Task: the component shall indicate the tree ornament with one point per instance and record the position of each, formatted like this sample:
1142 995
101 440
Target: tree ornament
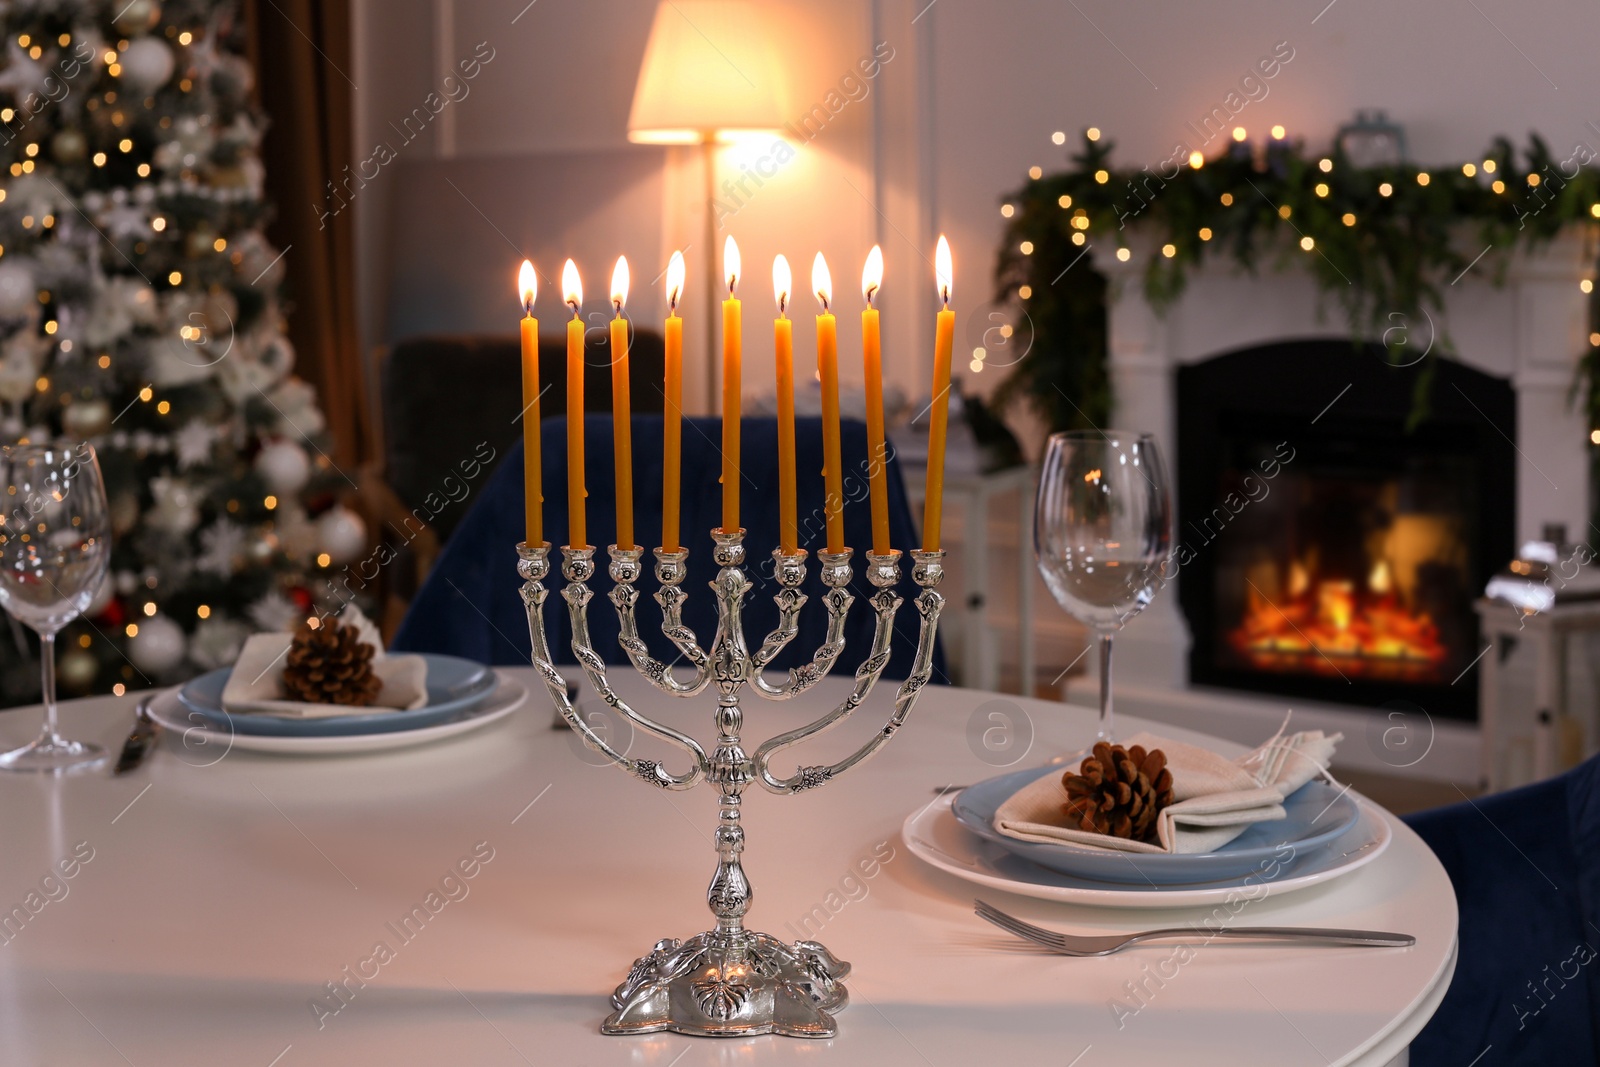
177 505
330 664
137 16
69 146
76 668
193 443
1119 792
216 642
147 64
284 467
18 294
222 549
159 646
342 534
86 418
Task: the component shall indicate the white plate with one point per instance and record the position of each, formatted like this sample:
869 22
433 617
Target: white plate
934 836
186 725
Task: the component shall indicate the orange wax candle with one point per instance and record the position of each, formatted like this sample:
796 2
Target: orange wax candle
572 286
672 416
732 365
783 345
872 369
939 416
621 409
533 490
828 367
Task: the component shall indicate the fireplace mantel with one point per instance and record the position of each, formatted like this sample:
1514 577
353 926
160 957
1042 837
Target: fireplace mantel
1529 328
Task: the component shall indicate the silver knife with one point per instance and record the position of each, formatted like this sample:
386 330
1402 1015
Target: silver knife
142 741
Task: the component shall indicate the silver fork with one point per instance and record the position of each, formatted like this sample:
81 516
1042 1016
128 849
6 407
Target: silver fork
1106 944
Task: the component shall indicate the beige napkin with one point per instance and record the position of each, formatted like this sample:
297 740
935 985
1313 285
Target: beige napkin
255 687
1215 799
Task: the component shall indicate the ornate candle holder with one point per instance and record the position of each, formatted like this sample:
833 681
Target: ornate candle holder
730 981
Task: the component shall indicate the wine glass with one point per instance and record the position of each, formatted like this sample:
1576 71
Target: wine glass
55 546
1103 532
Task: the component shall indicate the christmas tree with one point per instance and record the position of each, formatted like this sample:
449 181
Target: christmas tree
139 310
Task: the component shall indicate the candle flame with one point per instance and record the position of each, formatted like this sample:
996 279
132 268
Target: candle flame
872 274
571 286
943 272
782 282
821 281
730 263
527 286
676 271
619 284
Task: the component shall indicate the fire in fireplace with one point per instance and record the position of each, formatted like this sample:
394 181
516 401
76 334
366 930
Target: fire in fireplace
1335 553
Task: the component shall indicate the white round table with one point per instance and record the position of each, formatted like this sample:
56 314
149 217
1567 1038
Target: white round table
276 912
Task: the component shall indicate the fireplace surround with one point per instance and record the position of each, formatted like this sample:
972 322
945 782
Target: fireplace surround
1512 325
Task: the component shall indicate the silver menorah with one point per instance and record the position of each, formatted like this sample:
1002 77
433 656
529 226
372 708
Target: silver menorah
730 981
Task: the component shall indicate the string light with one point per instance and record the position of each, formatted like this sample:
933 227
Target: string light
270 503
1006 211
1307 243
132 629
1385 189
1239 133
1349 219
1035 173
204 611
1078 238
1422 178
1285 211
149 608
1594 437
1124 255
1322 188
1026 248
146 393
1205 233
1468 169
1278 133
1586 285
1196 160
1093 133
1064 200
1024 291
1488 166
1594 209
164 407
1169 250
176 277
1533 179
1058 137
1102 176
323 559
1227 199
1498 186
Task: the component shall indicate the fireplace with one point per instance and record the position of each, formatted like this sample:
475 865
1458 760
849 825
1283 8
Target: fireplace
1329 551
1510 323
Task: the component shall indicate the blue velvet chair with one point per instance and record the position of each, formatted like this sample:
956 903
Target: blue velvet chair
470 605
1526 870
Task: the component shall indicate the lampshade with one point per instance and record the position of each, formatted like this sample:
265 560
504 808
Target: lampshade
709 72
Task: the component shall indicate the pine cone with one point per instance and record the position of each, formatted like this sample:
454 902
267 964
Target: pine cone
330 665
1119 791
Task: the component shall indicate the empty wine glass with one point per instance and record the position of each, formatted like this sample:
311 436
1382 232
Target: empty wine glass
55 546
1103 532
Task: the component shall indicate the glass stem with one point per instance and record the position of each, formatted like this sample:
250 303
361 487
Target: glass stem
1104 733
47 682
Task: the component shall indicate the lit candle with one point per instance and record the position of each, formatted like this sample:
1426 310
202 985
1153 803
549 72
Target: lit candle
872 367
732 362
828 367
572 290
672 419
533 491
783 344
621 410
939 416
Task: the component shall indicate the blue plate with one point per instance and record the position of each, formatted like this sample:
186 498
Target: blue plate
455 685
1316 813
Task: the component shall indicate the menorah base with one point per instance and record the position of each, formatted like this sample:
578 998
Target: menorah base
731 985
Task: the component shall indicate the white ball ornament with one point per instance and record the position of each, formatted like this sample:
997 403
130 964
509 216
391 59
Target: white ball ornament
284 466
17 291
147 64
342 534
159 646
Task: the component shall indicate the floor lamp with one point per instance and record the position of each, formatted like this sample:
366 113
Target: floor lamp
709 77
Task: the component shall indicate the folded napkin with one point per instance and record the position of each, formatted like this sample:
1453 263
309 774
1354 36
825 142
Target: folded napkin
1215 799
255 686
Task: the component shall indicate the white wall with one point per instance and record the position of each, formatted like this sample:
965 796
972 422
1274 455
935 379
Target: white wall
968 103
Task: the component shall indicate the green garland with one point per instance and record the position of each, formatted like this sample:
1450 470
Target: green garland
1381 240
